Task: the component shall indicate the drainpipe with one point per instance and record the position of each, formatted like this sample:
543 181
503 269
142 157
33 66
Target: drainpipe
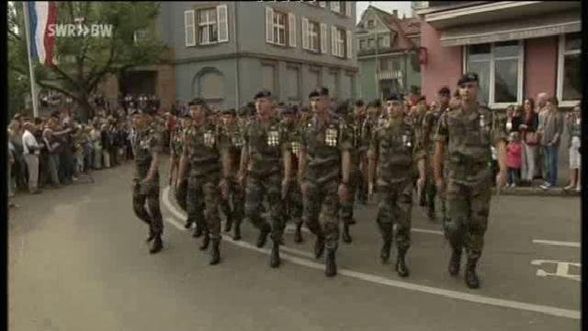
237 55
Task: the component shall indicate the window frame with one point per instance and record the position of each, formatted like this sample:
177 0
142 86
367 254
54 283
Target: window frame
491 90
277 27
340 42
317 35
207 24
561 53
140 35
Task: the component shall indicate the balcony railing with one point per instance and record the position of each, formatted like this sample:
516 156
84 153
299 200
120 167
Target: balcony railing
389 74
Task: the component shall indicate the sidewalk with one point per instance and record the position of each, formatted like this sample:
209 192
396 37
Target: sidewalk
536 190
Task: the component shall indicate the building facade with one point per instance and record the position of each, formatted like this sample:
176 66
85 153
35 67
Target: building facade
226 51
388 54
518 49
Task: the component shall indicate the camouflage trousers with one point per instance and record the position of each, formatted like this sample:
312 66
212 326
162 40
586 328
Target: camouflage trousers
320 210
355 186
181 194
395 207
257 189
203 200
147 195
468 208
431 193
293 205
233 207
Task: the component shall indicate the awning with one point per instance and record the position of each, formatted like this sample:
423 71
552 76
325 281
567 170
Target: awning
524 28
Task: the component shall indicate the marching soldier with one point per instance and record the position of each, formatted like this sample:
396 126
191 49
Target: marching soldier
147 146
324 171
393 146
232 141
293 201
264 156
176 149
417 114
468 132
429 125
203 153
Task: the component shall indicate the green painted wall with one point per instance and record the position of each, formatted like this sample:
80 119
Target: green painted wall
367 79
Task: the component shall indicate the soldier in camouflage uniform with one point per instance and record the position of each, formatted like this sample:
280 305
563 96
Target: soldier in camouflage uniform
264 156
416 116
393 146
147 147
203 153
430 122
293 199
324 172
176 149
232 142
468 133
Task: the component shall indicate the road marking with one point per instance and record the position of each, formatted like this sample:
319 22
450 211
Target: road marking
476 298
557 243
562 269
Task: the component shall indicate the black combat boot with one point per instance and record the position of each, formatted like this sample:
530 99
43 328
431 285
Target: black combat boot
237 231
157 244
205 241
298 234
330 265
471 278
215 253
401 268
346 235
188 223
275 255
385 251
454 262
263 235
319 246
198 231
151 235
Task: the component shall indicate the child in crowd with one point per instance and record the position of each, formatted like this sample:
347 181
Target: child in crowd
513 158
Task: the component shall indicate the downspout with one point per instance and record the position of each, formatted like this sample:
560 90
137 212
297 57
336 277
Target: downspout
237 55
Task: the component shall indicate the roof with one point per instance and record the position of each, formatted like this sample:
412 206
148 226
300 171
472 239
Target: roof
404 27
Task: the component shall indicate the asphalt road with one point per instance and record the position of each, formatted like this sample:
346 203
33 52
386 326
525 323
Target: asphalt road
78 261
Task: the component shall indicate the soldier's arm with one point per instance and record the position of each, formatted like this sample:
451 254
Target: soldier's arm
183 162
441 139
287 160
301 163
372 155
345 166
226 162
244 160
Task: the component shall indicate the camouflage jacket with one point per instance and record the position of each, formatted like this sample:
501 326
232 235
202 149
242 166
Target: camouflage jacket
203 150
430 121
231 141
323 145
265 145
393 143
144 144
177 142
469 137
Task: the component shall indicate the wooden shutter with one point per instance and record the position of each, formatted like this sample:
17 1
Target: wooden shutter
305 33
222 22
349 44
323 38
348 5
269 25
334 44
189 28
292 29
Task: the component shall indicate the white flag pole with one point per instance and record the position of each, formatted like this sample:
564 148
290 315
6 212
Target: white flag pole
31 72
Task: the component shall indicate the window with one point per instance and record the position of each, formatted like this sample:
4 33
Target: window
322 4
140 35
279 25
362 44
338 40
190 39
500 70
569 86
313 36
371 43
207 27
336 6
384 41
370 24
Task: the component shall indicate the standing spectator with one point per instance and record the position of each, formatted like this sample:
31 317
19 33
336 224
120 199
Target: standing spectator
15 132
542 111
550 138
11 159
514 149
105 145
53 150
530 139
96 139
31 155
574 124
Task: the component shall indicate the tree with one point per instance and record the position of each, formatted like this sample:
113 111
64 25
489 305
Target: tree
84 61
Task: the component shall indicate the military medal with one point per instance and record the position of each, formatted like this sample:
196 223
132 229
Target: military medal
508 125
331 137
208 139
273 138
237 140
295 147
482 121
577 121
406 139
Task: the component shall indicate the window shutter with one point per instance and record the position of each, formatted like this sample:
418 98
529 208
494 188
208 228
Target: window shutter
348 5
223 25
292 29
334 44
305 33
349 45
269 25
322 4
324 39
189 28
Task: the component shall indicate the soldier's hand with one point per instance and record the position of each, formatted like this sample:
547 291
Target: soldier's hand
370 191
501 179
420 183
285 188
343 192
224 188
241 177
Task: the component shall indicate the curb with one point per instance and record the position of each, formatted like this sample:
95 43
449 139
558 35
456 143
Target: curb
537 191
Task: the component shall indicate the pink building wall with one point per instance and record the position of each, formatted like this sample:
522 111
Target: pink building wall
444 64
540 66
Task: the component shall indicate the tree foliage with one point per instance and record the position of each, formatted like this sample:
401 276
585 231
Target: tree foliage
84 61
